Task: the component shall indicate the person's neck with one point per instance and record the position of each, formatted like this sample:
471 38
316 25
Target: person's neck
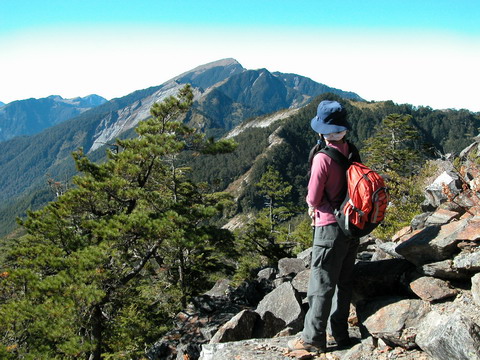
333 142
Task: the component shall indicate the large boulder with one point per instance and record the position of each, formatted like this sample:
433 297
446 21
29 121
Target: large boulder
240 327
290 266
278 310
449 336
394 321
434 243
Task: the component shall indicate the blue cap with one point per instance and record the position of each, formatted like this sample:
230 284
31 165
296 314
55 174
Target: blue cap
331 118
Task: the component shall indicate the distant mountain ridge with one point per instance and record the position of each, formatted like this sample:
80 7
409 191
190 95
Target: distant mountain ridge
31 116
226 95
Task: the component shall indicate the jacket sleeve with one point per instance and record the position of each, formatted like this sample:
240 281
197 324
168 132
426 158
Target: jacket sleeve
318 178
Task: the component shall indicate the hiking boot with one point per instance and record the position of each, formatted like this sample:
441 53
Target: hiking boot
299 344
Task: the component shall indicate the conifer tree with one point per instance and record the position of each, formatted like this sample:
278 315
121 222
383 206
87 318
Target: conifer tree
103 267
394 152
264 240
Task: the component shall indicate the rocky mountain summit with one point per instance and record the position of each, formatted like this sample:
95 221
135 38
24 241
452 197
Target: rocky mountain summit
415 297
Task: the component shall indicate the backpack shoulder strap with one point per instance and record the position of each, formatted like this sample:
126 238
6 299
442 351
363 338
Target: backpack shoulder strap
337 156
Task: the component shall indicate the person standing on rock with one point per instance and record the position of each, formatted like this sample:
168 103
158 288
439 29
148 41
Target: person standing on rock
333 255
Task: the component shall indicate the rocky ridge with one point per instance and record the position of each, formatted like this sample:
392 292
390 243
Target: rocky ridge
415 297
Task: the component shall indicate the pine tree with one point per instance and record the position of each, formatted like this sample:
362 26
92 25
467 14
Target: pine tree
264 240
97 273
394 151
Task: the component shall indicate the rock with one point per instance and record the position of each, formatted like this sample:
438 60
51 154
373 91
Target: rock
300 281
441 217
288 266
434 243
394 322
306 256
468 261
280 309
267 274
240 327
254 349
451 336
389 248
380 278
476 288
220 288
434 193
471 232
444 270
418 222
431 289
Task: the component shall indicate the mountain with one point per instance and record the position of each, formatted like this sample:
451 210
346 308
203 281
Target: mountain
226 94
247 104
30 116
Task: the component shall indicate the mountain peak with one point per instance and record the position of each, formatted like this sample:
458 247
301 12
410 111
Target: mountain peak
206 75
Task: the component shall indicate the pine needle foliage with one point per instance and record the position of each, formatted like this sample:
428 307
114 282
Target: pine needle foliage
104 267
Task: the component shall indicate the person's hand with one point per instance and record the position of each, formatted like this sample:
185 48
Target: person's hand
311 213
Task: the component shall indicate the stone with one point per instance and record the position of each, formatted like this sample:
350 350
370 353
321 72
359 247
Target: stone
468 261
300 281
431 289
434 192
434 243
444 270
389 248
306 256
451 336
394 321
220 288
280 309
441 217
287 266
476 288
267 274
471 232
240 327
418 222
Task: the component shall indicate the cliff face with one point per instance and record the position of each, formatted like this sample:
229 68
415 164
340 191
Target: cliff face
415 297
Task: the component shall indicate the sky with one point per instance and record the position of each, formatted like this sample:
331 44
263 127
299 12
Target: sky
420 52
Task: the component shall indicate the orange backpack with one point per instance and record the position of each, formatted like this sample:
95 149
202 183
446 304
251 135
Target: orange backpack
366 200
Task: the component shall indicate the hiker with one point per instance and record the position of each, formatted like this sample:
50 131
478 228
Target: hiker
334 253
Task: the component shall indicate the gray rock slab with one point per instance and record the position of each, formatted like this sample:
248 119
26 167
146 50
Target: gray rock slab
395 322
476 288
432 244
441 217
240 327
267 274
468 261
280 309
220 288
300 281
444 270
289 266
452 336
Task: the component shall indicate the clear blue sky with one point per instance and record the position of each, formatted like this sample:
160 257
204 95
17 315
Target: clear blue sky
419 52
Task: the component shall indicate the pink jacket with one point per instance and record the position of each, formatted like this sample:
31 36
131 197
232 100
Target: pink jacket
326 186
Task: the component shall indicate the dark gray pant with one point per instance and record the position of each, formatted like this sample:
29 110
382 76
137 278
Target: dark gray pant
333 258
